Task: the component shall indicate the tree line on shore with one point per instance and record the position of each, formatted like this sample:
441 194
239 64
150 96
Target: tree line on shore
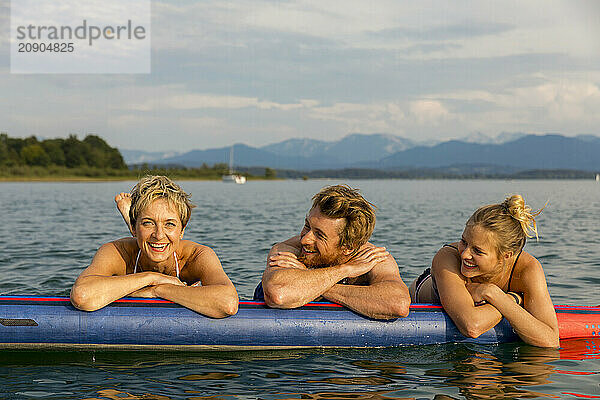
92 157
71 152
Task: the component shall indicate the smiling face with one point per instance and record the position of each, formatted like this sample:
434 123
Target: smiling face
158 231
320 240
478 254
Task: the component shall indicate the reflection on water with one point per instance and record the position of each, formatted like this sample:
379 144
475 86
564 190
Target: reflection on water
580 349
461 371
489 376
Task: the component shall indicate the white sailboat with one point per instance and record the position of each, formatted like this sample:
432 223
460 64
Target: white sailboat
231 177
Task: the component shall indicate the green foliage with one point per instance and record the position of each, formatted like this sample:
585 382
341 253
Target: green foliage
54 149
221 168
34 154
3 147
179 172
270 173
93 151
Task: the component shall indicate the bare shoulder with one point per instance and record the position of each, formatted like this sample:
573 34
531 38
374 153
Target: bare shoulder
292 242
127 247
385 270
201 264
192 252
113 258
447 259
291 245
526 261
528 274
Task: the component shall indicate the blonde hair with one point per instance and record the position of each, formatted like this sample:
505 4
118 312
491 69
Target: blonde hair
512 221
151 188
341 201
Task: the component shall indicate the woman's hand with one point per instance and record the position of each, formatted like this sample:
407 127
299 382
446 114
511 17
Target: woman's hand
158 279
162 279
481 292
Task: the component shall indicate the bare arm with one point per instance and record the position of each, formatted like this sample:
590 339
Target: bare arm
535 322
385 297
471 320
105 280
123 202
216 297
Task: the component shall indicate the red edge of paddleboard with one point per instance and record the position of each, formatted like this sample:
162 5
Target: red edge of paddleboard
161 301
418 306
560 309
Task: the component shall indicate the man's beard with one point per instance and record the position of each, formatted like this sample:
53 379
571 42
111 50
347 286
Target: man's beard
321 261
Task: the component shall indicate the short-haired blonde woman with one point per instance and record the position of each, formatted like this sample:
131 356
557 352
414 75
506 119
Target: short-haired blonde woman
487 275
156 262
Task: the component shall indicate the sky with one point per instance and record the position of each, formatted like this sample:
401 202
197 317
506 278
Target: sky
259 72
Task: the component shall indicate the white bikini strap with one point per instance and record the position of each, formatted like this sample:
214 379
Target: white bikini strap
138 259
176 264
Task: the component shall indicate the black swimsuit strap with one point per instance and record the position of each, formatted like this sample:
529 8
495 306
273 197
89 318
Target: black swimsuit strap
449 245
513 269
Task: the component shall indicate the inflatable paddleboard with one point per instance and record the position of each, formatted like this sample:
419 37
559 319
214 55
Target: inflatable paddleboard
35 322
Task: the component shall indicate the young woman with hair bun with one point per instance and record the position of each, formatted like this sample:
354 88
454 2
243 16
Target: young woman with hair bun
487 276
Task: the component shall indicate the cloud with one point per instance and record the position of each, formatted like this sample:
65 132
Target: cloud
556 103
196 101
393 117
431 112
560 98
4 27
461 30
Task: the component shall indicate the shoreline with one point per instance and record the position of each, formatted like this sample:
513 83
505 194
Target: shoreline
113 179
123 179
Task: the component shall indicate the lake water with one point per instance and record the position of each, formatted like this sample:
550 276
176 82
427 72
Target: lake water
50 232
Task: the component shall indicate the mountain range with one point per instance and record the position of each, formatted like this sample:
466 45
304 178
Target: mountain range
389 152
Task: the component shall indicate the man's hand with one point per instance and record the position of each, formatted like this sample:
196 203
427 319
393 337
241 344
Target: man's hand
364 261
285 259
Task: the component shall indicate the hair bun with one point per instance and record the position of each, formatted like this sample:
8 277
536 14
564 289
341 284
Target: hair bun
516 207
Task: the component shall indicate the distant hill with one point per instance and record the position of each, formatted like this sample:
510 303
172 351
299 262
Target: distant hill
298 147
508 152
140 157
248 157
528 152
481 138
349 150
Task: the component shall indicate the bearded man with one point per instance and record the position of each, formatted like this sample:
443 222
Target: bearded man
332 259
